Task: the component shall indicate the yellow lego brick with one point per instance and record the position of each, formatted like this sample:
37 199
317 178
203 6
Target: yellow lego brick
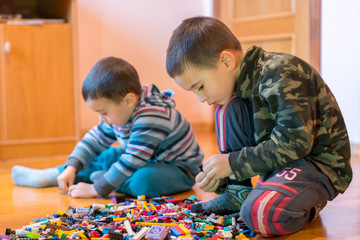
154 223
203 232
152 206
141 197
82 236
241 236
69 233
146 207
208 227
186 231
119 219
61 213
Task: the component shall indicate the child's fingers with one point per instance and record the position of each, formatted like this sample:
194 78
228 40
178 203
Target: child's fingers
72 190
206 167
211 186
206 183
62 185
200 177
70 182
210 170
214 186
210 174
203 178
203 183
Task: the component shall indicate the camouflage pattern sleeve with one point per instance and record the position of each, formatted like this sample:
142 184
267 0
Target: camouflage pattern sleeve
295 116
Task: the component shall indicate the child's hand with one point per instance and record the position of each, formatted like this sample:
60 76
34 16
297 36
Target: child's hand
66 178
214 168
82 190
206 186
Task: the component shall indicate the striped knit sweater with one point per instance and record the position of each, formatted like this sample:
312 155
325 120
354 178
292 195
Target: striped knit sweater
156 132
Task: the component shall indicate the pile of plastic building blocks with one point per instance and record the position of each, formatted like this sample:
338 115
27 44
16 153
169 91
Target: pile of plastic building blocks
153 219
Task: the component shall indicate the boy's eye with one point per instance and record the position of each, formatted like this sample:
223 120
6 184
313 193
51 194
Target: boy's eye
200 88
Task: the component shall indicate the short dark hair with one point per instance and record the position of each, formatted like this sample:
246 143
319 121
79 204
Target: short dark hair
198 41
111 78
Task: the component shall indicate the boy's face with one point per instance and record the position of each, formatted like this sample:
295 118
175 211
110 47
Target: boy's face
110 112
215 85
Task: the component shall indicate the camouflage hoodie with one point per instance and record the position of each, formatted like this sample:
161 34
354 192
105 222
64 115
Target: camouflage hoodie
295 116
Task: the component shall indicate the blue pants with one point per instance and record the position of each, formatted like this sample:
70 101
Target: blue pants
153 179
283 200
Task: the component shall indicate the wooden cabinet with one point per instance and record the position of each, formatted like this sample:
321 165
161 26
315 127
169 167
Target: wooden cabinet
37 116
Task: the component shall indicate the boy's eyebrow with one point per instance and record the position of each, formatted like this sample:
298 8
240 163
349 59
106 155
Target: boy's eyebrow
193 86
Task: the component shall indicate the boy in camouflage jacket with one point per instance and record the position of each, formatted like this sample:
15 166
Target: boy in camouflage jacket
275 118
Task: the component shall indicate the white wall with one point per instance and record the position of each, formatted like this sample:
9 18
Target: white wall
340 52
139 32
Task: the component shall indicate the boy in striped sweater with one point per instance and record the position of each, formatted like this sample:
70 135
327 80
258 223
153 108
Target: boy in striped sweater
159 154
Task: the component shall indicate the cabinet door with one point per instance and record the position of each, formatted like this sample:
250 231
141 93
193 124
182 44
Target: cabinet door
290 26
38 76
37 84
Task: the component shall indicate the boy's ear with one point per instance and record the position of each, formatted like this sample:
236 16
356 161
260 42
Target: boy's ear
131 99
228 60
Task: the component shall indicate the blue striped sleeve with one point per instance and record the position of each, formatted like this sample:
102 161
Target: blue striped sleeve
98 139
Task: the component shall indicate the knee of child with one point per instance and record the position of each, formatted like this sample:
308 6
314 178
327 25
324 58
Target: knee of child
144 182
269 218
